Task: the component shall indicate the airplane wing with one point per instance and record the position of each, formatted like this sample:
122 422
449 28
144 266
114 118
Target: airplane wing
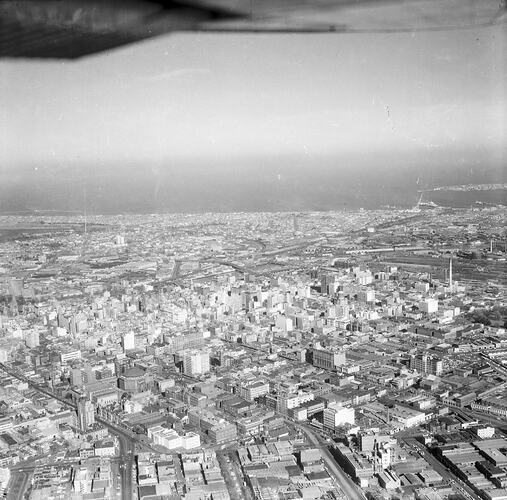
69 29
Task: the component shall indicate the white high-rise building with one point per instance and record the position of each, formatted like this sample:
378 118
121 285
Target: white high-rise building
196 363
429 306
424 363
129 341
336 415
85 413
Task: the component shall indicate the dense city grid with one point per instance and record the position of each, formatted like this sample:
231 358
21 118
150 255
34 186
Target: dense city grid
356 354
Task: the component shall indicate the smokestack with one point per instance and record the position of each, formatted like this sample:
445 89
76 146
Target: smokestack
375 456
450 273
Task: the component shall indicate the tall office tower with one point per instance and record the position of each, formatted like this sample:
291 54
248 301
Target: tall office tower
129 341
85 413
195 363
336 415
295 222
427 364
326 284
429 305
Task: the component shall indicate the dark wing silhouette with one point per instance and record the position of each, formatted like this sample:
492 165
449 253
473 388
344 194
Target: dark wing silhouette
74 28
69 29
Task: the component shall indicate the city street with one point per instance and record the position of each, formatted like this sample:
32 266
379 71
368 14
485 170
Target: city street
344 481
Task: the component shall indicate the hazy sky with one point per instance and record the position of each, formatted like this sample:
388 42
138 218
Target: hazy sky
202 96
195 95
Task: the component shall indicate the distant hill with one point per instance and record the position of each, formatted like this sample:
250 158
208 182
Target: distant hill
459 199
